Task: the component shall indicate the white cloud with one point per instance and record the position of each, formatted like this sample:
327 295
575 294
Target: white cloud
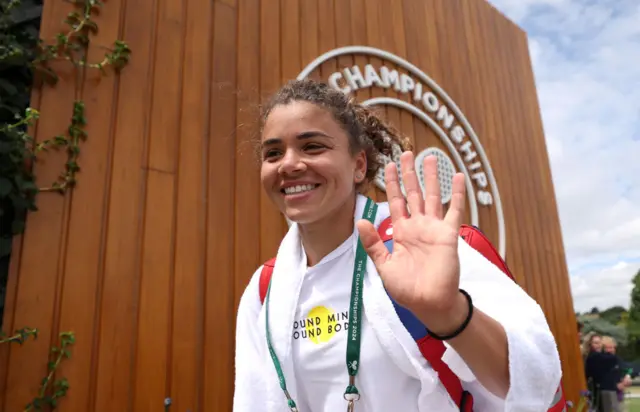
586 58
613 286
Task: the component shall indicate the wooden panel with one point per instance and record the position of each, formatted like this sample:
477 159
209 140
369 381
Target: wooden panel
117 327
248 193
220 187
147 259
186 367
155 295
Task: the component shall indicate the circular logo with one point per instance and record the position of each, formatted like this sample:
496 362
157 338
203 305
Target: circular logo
396 84
446 171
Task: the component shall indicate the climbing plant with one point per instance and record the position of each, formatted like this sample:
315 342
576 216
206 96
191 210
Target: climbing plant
23 52
51 390
19 24
25 62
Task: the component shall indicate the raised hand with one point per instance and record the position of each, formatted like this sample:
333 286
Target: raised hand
423 272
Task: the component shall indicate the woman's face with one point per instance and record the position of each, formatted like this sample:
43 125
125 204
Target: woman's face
610 347
307 168
596 344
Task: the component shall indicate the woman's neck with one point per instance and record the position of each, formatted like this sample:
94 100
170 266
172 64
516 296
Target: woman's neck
322 237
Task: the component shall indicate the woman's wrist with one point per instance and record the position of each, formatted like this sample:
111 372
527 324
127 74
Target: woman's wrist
448 321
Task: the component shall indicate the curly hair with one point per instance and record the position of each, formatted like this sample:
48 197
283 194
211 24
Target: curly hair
365 129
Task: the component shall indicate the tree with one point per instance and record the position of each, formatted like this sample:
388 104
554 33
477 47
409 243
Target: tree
613 314
633 320
605 328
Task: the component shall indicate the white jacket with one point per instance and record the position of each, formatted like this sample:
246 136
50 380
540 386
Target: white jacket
534 364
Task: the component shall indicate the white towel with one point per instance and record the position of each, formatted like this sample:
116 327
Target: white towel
533 357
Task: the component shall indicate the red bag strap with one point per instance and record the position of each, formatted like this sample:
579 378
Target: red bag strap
265 278
559 403
477 240
432 350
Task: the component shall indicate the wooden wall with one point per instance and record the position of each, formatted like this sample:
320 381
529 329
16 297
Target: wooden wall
146 260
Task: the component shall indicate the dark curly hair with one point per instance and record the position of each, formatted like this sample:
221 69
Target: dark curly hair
366 130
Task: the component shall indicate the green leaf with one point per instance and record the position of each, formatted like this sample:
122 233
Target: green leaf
5 186
5 246
5 147
17 226
29 186
8 87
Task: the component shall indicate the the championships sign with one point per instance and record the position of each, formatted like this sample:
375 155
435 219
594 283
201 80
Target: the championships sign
430 103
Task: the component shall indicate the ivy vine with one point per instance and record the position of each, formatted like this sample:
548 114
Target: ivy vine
51 390
25 61
18 148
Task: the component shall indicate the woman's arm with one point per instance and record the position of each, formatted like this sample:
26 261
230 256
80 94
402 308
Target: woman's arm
482 345
507 345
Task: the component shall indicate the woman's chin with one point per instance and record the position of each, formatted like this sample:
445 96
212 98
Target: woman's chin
301 216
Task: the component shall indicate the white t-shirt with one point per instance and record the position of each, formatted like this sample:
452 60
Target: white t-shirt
319 336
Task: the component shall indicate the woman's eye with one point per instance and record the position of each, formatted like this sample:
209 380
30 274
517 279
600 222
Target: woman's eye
271 154
314 146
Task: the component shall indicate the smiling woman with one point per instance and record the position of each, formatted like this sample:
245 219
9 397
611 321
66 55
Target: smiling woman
319 151
316 143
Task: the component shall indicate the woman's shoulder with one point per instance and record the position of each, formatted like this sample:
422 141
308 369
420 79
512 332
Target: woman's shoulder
251 294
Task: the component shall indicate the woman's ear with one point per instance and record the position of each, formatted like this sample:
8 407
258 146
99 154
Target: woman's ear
361 167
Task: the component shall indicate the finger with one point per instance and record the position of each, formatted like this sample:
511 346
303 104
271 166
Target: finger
411 184
456 207
397 204
432 199
372 242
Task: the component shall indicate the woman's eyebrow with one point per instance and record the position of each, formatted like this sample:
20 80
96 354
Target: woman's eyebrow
302 136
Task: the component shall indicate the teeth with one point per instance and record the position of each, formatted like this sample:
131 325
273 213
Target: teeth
298 189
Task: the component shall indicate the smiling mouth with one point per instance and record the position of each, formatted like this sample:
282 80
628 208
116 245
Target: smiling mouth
294 190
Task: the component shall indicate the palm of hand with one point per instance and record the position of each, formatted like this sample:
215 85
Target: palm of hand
423 271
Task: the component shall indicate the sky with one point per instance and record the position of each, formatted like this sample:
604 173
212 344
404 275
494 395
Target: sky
586 60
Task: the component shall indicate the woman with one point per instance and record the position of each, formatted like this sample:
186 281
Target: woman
591 347
609 345
319 150
605 369
592 343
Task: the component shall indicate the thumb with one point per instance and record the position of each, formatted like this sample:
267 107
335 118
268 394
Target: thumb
372 243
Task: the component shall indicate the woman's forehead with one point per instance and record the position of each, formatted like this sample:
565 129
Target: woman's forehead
297 118
296 111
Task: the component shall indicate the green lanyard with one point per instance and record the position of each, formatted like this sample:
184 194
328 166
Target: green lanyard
355 322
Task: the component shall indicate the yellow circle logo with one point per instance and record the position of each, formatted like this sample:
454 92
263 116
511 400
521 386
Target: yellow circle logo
320 325
325 328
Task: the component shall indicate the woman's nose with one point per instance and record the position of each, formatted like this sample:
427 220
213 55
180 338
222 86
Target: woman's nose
291 163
